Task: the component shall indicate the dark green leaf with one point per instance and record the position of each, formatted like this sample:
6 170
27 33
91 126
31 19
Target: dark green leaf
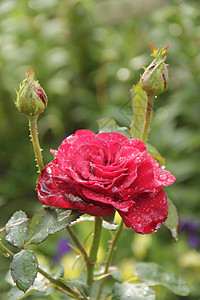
47 221
153 274
128 291
17 229
79 285
154 152
139 102
110 125
24 267
172 220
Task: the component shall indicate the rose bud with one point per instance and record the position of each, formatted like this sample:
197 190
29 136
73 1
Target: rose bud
154 80
31 98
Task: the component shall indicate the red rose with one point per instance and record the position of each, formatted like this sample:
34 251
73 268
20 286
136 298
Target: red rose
97 174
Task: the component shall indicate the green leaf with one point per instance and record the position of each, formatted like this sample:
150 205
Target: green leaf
154 152
172 220
82 287
153 274
15 294
110 125
116 275
41 285
17 229
106 225
130 291
139 103
24 267
47 221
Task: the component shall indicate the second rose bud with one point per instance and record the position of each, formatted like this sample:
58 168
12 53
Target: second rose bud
154 80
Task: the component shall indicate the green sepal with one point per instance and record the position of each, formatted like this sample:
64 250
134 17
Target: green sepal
110 219
154 152
172 220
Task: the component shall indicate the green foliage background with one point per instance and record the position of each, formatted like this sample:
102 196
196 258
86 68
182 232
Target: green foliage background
87 54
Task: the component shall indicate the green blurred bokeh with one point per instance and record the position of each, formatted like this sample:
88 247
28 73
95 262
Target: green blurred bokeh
87 54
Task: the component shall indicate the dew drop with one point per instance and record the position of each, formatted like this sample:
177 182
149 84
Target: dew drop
49 170
163 176
114 189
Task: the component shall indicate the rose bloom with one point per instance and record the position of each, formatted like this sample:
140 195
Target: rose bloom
100 173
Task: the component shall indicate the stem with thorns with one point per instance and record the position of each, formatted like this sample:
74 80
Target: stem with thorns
35 142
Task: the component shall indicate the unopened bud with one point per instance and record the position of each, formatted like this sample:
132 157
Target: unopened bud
31 98
154 80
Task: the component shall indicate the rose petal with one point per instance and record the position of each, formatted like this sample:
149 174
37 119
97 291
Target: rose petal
149 212
89 208
112 136
101 199
48 191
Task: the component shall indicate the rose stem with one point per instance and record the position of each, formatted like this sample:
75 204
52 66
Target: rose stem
64 287
93 251
78 244
35 142
109 259
148 117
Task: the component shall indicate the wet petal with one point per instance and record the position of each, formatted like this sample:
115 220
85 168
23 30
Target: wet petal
149 212
89 208
105 199
48 192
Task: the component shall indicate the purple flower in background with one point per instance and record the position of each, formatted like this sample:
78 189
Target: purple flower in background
62 248
190 226
193 241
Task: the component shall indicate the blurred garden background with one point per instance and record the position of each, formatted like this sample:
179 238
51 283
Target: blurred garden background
87 54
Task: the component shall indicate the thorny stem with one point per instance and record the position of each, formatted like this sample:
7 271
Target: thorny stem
93 251
35 141
63 288
109 259
77 243
148 117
